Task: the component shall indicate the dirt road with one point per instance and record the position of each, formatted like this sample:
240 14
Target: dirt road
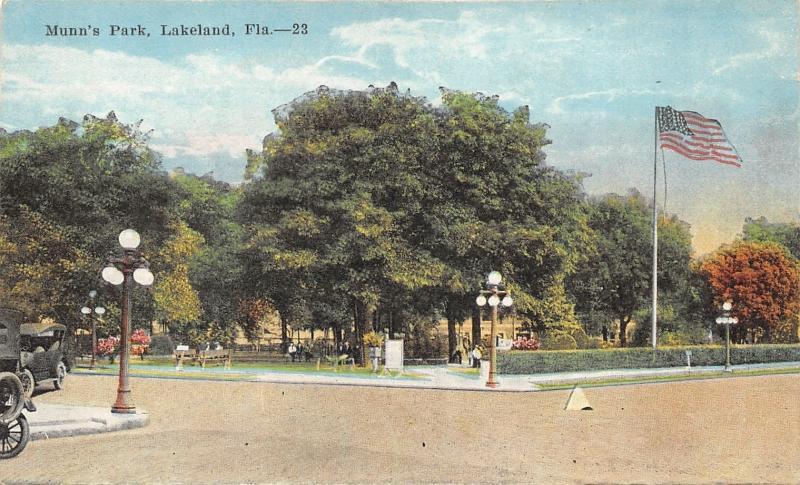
728 430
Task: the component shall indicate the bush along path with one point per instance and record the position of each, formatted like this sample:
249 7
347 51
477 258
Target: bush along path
547 361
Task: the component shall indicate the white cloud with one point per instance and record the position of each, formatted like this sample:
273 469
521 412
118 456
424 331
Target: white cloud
774 44
556 107
198 105
464 37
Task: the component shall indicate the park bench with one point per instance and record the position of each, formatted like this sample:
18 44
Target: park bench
203 357
215 357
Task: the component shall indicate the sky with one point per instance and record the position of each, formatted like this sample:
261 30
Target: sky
593 71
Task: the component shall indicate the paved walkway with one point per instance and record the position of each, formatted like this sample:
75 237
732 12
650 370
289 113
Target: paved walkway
53 421
423 377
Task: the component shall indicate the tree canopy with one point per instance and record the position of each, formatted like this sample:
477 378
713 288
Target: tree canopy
616 282
763 282
383 200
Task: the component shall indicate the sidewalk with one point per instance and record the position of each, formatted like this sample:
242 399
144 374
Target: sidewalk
443 378
55 420
433 377
58 420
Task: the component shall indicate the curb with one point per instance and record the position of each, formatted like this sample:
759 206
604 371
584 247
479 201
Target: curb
59 421
390 385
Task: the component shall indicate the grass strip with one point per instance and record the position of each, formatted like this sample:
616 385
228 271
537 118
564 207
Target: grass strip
194 372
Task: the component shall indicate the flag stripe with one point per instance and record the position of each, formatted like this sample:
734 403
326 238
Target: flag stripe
691 115
699 152
703 124
698 142
701 156
694 157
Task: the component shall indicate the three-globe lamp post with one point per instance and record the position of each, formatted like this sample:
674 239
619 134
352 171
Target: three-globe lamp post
727 320
496 297
91 312
119 272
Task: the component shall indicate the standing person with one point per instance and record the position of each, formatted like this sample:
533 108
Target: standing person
292 350
476 357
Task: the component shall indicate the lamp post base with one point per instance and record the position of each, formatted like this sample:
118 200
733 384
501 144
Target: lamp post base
123 410
727 369
123 406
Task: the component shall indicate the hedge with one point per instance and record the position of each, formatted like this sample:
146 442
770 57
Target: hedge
543 361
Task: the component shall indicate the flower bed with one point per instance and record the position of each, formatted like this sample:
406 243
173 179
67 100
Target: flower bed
524 343
544 361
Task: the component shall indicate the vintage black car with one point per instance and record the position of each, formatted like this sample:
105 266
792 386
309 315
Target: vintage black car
41 355
14 429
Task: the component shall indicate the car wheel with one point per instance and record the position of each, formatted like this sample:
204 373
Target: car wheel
14 436
11 399
61 374
28 382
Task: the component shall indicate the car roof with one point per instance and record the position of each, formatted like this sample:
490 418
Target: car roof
40 328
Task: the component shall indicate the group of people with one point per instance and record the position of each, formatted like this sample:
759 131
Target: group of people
474 355
298 352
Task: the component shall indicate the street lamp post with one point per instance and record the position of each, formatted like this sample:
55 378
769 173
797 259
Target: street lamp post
119 272
727 320
492 283
91 312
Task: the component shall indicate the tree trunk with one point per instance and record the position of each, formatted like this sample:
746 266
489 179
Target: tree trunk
476 325
623 327
452 344
284 333
362 320
390 316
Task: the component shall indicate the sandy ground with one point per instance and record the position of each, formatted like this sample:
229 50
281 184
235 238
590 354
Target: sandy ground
730 430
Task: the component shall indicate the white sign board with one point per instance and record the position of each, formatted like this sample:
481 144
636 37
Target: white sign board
182 347
394 355
504 344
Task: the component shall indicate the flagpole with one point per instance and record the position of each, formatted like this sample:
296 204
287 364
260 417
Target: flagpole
655 229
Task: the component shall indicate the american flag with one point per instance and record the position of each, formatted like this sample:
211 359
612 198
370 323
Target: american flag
695 137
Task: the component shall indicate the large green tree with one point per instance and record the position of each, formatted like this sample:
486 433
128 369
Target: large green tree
385 201
616 281
66 191
787 234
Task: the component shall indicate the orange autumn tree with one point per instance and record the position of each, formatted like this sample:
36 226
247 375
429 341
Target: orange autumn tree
763 282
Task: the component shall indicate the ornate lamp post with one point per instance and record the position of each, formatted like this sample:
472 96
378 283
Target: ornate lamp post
91 312
492 283
727 320
119 272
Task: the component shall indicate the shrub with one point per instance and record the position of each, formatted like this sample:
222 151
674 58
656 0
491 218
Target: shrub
373 339
518 362
582 341
599 343
107 346
672 339
558 340
161 345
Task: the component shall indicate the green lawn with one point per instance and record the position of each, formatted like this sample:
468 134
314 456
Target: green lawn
163 367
